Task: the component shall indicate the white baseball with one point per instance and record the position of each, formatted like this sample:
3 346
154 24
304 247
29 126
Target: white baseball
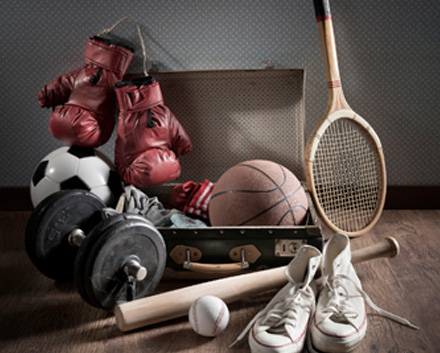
208 316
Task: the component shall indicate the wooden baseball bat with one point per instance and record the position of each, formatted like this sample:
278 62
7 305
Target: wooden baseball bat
176 303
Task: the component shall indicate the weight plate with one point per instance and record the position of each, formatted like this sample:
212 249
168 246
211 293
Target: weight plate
48 229
84 252
99 271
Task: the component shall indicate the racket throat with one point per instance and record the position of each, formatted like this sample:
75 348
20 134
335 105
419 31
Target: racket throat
336 100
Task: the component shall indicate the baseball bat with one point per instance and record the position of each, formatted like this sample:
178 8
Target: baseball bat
176 303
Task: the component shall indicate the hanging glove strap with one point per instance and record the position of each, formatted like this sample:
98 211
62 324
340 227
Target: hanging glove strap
141 39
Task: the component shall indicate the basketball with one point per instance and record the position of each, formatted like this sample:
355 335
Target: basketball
258 192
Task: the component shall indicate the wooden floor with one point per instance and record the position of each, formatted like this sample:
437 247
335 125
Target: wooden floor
40 315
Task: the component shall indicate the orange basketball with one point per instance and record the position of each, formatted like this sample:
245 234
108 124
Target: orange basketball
258 192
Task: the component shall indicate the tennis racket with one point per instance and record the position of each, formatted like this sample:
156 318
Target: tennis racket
344 162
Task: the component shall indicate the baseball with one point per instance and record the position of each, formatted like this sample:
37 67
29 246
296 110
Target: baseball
208 316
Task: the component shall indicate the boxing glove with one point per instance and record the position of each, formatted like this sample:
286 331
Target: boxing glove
85 97
150 138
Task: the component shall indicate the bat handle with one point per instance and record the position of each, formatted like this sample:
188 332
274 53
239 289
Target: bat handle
388 247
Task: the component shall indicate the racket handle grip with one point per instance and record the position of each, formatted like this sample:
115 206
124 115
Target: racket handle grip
322 9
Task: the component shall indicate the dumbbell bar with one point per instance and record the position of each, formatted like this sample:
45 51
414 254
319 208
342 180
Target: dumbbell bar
112 260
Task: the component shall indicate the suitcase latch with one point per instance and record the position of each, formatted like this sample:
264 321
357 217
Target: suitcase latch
288 247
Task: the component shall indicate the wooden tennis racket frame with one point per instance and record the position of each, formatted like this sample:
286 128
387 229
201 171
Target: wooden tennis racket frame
337 108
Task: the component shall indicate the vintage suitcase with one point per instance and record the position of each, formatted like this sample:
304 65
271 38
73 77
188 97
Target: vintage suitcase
234 116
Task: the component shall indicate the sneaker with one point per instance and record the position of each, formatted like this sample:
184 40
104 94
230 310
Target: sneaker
340 320
282 325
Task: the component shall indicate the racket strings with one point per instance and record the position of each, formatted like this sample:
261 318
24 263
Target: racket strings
347 176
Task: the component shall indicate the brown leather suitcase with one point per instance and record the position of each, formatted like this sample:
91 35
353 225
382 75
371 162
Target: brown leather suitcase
234 116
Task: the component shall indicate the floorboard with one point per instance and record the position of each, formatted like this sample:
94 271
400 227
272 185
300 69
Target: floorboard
40 315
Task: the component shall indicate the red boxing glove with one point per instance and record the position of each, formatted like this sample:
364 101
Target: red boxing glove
150 138
86 95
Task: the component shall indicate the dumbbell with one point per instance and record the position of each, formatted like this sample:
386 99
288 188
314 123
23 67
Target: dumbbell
111 259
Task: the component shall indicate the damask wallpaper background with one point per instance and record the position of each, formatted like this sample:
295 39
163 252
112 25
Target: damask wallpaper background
389 57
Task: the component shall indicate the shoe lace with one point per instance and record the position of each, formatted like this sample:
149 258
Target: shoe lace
340 308
283 316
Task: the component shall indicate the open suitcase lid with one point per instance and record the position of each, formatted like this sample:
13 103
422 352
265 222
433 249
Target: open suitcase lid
233 116
236 115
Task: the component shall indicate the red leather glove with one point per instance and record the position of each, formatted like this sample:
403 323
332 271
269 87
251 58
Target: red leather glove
150 138
86 98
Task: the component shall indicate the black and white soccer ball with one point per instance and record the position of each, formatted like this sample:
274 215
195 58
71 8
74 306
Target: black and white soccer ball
74 167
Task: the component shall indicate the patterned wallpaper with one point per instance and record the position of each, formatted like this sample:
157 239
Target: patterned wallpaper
389 55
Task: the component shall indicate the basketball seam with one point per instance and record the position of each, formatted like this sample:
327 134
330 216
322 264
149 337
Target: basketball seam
253 191
279 187
285 198
289 210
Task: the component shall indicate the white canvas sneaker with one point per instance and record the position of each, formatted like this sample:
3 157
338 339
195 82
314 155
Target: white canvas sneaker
340 319
282 325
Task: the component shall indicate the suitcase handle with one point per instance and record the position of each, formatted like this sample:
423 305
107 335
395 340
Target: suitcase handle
221 269
189 257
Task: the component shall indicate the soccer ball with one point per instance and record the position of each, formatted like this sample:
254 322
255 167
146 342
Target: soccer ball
76 168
